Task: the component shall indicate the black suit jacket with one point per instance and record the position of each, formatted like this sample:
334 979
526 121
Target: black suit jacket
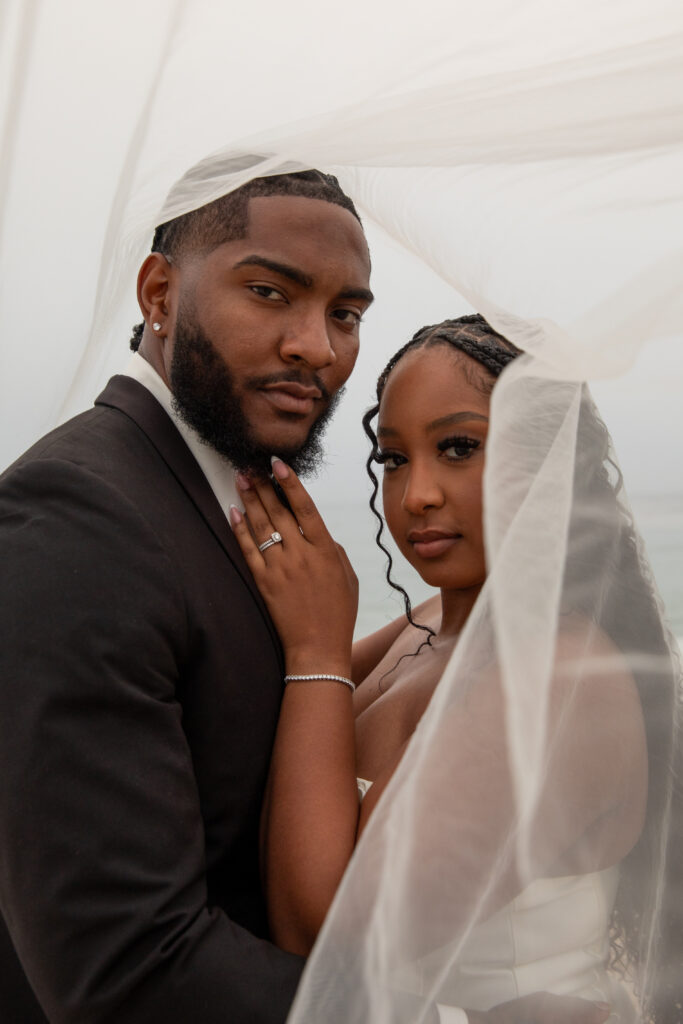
140 682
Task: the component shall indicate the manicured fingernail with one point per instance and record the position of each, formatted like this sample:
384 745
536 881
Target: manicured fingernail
603 1006
235 515
242 481
280 470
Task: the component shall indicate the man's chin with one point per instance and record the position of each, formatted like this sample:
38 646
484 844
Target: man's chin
296 441
305 460
281 444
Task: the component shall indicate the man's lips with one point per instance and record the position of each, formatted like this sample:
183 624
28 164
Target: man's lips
432 543
292 397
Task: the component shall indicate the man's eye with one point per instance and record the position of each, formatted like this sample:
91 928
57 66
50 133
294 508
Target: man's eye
266 292
348 316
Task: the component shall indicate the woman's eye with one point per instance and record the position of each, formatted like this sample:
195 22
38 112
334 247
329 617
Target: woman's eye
458 448
265 291
389 460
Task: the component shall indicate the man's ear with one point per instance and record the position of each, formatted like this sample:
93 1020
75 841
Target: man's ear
155 288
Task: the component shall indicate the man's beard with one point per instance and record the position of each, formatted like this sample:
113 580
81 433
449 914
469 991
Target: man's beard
204 396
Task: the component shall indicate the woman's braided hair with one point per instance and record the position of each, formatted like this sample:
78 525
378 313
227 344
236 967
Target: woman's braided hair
472 336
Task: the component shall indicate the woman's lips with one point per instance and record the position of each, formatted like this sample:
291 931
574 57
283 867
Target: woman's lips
292 398
432 543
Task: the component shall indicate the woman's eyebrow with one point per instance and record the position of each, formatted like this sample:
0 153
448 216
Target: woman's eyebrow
456 417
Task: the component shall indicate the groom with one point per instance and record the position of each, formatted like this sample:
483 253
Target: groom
140 675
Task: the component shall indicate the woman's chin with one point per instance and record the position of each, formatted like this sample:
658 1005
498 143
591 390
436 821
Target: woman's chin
446 577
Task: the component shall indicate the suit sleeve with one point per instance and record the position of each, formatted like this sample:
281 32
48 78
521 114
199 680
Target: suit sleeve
102 880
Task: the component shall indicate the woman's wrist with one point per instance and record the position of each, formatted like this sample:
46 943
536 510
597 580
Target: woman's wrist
309 662
322 677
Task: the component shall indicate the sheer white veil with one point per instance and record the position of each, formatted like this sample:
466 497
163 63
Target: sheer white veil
532 155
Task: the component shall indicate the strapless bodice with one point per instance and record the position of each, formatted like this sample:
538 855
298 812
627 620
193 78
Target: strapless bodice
554 936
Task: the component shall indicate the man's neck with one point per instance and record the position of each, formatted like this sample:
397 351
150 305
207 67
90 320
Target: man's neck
152 351
215 467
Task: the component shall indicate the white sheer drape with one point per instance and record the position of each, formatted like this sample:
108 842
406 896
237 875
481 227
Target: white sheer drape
530 153
479 137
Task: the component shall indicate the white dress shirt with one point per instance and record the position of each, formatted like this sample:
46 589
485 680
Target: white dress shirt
218 471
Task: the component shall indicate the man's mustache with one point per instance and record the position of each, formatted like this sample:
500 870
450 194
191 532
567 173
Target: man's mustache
291 377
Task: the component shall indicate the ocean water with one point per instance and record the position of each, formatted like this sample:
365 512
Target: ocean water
659 519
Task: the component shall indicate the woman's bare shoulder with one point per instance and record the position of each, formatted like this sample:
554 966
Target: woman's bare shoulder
584 650
374 652
593 681
429 612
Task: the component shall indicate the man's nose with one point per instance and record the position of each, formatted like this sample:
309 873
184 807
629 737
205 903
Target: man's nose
307 340
422 490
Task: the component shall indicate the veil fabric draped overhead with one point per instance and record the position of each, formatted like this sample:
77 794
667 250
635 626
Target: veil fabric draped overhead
532 155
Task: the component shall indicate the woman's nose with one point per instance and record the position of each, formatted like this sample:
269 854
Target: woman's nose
422 490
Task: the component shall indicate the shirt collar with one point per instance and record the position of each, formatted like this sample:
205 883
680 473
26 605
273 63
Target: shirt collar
218 471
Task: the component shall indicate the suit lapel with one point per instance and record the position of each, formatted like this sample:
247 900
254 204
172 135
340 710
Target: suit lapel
133 399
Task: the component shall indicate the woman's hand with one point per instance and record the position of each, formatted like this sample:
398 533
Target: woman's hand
306 579
311 810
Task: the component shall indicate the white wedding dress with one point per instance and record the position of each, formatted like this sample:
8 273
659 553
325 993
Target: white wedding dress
553 937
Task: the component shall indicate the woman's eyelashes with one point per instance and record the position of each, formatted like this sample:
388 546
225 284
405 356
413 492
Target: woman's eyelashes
458 448
389 460
454 449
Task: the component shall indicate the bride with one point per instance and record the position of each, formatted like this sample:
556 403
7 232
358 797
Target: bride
556 901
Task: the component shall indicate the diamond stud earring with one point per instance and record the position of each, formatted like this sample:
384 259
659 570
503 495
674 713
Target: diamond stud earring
156 326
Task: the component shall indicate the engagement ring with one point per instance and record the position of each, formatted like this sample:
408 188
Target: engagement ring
274 538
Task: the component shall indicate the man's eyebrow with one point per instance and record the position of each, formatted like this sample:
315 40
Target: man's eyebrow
299 277
456 417
364 294
283 269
